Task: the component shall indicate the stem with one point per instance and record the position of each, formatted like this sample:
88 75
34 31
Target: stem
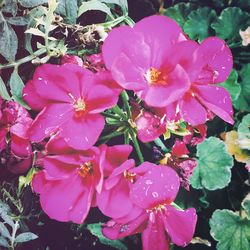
126 138
13 236
129 21
24 60
111 116
176 206
137 146
160 144
110 136
125 99
119 112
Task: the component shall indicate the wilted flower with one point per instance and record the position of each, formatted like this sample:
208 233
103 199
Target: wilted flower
72 59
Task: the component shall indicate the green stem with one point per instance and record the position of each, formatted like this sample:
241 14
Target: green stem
137 146
160 144
24 60
128 20
176 206
125 99
110 136
111 116
126 138
119 112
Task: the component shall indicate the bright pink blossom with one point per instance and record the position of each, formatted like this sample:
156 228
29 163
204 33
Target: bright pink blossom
15 122
95 63
68 182
70 99
140 59
153 192
197 134
207 63
117 181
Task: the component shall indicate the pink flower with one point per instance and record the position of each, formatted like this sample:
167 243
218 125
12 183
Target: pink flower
140 59
70 99
211 63
150 122
95 63
15 122
153 192
68 182
72 59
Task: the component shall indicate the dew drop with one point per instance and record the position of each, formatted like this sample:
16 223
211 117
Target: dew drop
148 182
155 194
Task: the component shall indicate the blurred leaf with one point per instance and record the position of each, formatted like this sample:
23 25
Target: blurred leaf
197 26
229 23
246 204
179 12
3 91
7 219
24 237
96 230
213 165
24 181
4 231
244 132
232 85
243 101
232 231
18 20
68 9
3 242
122 3
32 3
10 7
94 5
8 41
4 207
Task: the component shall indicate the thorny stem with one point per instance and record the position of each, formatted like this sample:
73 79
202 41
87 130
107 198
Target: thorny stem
24 60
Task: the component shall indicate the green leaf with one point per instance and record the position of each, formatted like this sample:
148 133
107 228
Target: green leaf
7 219
198 24
246 204
24 181
16 84
3 90
16 88
3 242
232 231
232 85
68 9
10 7
35 31
229 23
32 3
8 41
4 231
179 12
95 229
213 166
244 133
17 20
94 5
122 3
243 101
24 237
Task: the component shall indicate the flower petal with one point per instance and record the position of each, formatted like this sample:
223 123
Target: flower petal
158 186
180 225
216 99
154 236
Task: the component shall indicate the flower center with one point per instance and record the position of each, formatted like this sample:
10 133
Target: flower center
152 75
129 176
79 105
86 169
158 208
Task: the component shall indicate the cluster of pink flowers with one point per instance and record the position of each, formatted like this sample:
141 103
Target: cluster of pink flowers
174 78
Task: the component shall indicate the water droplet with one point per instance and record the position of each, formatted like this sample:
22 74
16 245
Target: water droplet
155 194
40 78
148 182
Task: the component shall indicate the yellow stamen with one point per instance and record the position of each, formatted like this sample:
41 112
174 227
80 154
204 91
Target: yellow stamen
86 169
153 75
129 176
